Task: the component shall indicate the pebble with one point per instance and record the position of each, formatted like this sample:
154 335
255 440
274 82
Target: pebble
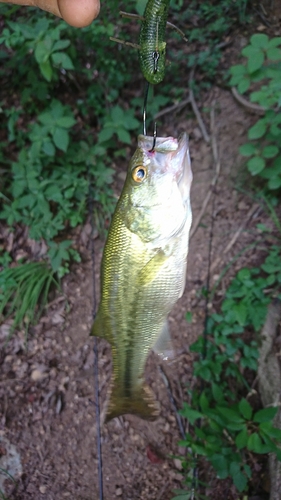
118 492
178 463
37 375
43 489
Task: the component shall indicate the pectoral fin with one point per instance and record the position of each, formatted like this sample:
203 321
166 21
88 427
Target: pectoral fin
152 268
99 329
163 345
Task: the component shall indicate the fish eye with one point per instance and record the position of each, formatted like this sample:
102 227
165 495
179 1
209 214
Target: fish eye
139 173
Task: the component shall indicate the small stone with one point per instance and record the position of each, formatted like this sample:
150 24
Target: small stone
118 492
178 463
37 375
242 205
167 427
43 489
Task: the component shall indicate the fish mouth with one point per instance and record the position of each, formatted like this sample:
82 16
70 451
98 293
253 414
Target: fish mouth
162 144
178 159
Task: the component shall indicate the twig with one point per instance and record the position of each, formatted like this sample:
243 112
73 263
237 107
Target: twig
249 105
214 180
249 215
172 108
173 402
162 491
196 110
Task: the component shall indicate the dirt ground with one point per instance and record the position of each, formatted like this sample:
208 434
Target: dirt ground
47 392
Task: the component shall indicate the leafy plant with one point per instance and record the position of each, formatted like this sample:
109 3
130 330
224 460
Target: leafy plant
119 123
230 430
208 22
262 68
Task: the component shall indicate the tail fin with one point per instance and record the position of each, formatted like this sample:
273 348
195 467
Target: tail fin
140 403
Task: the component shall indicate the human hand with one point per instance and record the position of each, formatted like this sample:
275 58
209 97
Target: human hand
77 13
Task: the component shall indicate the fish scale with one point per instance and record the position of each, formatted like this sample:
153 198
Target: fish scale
143 269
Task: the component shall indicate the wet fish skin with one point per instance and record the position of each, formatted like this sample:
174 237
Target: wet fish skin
144 267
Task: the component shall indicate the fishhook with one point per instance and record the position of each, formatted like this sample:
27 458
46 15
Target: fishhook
144 117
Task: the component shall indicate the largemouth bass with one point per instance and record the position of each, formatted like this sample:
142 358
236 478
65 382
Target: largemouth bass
143 269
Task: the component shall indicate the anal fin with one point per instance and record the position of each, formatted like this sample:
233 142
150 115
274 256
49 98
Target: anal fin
163 345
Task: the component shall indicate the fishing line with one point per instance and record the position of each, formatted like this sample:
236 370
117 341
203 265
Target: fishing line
146 89
95 349
194 484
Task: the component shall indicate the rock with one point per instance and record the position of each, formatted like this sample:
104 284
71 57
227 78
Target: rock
39 373
43 489
177 463
118 492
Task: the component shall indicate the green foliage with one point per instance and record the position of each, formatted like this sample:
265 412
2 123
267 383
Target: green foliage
24 291
209 22
262 68
119 123
230 430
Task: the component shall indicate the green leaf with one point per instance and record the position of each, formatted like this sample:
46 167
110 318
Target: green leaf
61 44
66 121
46 118
247 149
265 415
46 70
201 450
240 311
245 409
255 443
238 70
124 136
259 40
274 54
274 42
274 182
190 414
256 165
241 439
117 114
220 465
255 58
243 85
61 138
203 401
230 414
48 148
106 133
258 130
268 429
270 151
188 316
62 59
240 481
217 392
41 52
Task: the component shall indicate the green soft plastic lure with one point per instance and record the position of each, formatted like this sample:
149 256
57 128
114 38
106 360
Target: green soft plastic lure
152 53
152 44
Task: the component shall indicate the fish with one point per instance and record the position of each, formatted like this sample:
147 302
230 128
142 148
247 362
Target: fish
143 270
